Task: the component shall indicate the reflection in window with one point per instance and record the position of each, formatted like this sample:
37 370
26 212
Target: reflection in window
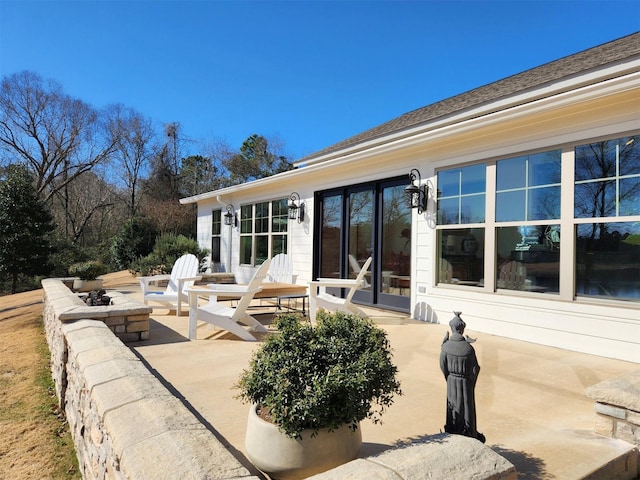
528 258
528 187
461 256
607 178
461 195
608 260
395 271
331 214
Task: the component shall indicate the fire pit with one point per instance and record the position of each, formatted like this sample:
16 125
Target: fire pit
96 298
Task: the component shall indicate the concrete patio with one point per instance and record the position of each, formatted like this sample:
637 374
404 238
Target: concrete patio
530 399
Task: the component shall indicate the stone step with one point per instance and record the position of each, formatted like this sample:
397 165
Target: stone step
623 466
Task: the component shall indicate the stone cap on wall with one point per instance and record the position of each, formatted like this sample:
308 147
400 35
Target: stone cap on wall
622 391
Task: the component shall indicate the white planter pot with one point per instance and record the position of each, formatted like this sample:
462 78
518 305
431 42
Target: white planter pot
284 458
87 285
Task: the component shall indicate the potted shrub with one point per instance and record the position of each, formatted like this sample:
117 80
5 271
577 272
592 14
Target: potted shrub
309 387
87 273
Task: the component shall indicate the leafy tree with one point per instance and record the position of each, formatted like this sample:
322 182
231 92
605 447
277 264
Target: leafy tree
198 175
255 161
25 227
134 241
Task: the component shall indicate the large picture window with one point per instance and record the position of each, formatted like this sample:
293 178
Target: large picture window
602 231
263 231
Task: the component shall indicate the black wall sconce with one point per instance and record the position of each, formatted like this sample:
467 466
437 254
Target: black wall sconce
296 210
230 218
416 195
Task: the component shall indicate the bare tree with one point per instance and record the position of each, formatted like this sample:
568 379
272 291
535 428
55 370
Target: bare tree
134 150
85 207
58 137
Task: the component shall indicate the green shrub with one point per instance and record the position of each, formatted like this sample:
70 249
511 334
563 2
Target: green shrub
88 270
167 249
339 372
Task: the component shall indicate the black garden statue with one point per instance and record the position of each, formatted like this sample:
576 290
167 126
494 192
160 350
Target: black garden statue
460 366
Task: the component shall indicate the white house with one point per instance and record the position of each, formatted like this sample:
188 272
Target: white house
530 223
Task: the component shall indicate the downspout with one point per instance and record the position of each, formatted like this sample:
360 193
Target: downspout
219 200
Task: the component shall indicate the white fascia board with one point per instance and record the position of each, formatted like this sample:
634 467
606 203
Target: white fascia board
523 99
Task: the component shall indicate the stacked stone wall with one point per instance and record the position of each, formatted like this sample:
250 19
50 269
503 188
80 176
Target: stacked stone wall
617 407
124 423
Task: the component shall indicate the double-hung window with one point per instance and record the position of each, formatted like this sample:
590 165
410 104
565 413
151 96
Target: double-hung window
263 231
460 232
528 222
607 219
216 229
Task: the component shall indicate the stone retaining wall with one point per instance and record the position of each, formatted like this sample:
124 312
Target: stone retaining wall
618 407
125 424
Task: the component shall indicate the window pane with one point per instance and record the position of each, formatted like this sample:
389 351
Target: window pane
630 196
510 206
216 222
511 173
330 236
472 209
595 199
461 256
448 211
608 260
262 217
279 216
246 218
262 249
278 244
245 250
215 251
544 203
544 168
473 179
528 258
596 160
449 183
629 153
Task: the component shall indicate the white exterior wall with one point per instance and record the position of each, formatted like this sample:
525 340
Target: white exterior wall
595 110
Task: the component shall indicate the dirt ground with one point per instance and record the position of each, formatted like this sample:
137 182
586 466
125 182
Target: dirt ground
34 440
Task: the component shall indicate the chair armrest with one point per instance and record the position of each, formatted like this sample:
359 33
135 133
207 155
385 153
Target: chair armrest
181 281
219 292
145 281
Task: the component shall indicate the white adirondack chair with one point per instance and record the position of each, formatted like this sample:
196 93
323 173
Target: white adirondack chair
183 274
224 316
320 298
281 269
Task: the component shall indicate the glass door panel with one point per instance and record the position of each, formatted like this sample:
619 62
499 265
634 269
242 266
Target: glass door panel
360 237
330 236
394 274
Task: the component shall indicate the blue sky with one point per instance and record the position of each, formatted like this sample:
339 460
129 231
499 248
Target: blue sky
310 73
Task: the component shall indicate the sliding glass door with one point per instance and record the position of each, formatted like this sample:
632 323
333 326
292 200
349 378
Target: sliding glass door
360 221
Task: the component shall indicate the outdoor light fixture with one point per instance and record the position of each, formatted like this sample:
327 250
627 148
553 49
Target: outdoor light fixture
416 195
230 217
296 210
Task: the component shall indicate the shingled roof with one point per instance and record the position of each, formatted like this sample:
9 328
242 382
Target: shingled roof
565 67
